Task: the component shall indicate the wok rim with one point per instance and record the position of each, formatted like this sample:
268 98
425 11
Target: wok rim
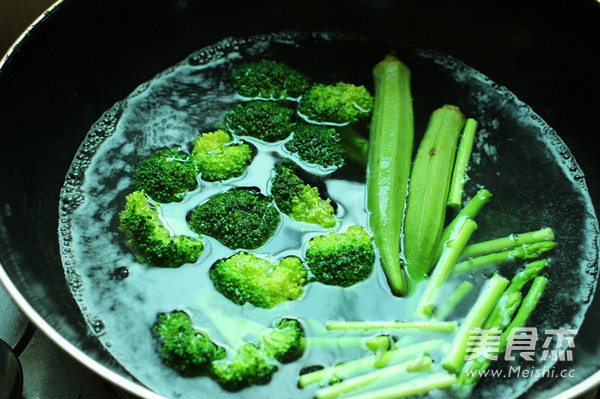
585 386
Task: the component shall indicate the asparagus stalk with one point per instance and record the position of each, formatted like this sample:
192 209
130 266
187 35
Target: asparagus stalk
380 375
428 191
390 155
507 243
416 387
530 251
459 174
453 300
473 370
421 326
368 363
476 317
455 245
470 210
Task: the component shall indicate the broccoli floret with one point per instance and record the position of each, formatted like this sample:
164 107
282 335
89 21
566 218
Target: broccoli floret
245 277
152 242
165 175
284 343
316 144
341 259
248 366
299 200
264 120
341 103
238 218
269 80
183 348
217 158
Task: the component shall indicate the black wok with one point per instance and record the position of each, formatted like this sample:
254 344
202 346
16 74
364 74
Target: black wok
85 55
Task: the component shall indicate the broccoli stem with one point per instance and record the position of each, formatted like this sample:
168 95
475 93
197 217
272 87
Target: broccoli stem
453 300
470 210
415 365
364 364
473 370
415 387
355 144
430 326
459 175
506 243
454 246
487 300
530 251
390 158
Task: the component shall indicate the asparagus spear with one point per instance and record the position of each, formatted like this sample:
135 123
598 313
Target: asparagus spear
459 175
476 317
390 155
530 251
418 386
507 243
453 300
362 365
421 326
455 245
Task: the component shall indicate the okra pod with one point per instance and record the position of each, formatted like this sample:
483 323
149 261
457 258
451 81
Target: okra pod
428 191
390 157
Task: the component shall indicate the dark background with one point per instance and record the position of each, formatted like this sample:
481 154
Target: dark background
89 53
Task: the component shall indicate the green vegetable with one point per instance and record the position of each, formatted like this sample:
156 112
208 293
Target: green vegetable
354 144
351 368
245 277
265 120
150 239
473 370
337 104
419 364
530 251
459 175
487 300
421 326
217 158
453 300
285 342
390 158
316 144
247 367
269 80
507 243
410 388
428 191
165 175
341 259
238 218
298 200
454 246
186 350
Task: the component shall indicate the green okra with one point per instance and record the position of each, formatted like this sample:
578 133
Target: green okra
428 191
390 157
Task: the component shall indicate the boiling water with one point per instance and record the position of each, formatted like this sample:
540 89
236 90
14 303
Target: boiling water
517 157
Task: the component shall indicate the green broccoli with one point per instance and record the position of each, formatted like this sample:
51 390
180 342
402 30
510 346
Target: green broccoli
264 120
165 175
338 104
283 343
316 144
238 218
191 352
299 200
249 366
245 277
341 259
269 80
217 158
183 348
151 240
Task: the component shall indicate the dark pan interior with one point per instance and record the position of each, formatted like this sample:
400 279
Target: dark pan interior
86 55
